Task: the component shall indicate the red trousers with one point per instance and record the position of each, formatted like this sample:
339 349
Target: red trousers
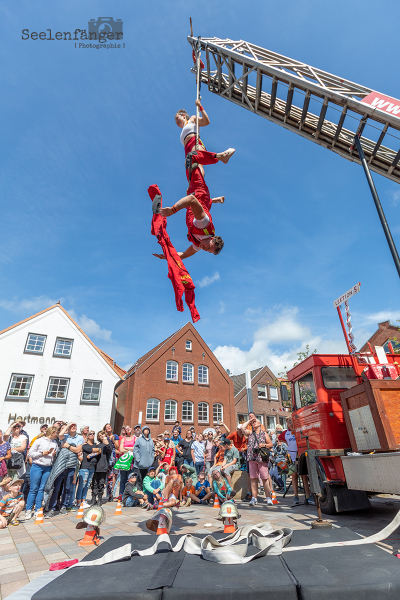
202 156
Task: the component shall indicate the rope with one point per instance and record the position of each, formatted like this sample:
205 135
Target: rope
198 76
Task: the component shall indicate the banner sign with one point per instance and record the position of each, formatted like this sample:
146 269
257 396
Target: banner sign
385 103
345 299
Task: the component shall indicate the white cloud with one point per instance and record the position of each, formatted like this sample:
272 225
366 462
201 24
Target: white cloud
379 317
207 280
33 305
222 307
284 328
394 196
90 327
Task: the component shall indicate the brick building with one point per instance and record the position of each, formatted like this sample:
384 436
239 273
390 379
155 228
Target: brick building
180 379
386 331
267 403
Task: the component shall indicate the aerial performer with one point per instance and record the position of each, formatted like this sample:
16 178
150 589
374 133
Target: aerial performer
198 202
196 152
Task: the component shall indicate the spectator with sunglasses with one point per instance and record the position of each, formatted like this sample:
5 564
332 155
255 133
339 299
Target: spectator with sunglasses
91 453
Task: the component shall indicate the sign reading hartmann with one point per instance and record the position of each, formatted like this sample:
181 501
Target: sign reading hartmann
385 103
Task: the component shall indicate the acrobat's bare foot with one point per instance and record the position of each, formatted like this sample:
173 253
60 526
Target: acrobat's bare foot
219 200
225 156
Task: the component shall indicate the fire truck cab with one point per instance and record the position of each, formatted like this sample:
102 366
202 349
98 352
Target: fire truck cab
329 435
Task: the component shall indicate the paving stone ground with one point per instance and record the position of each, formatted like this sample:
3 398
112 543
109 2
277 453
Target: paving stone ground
26 551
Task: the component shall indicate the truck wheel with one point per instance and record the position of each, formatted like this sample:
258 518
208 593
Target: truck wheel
326 500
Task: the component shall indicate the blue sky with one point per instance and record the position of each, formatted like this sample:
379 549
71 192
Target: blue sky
86 131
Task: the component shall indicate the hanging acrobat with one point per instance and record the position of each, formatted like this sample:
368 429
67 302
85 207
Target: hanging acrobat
198 202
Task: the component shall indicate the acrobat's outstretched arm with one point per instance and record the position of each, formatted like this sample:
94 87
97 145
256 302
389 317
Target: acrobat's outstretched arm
189 252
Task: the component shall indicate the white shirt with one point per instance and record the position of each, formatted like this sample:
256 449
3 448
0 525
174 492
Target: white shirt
291 444
201 224
38 447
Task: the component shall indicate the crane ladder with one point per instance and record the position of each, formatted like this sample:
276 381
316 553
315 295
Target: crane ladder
284 89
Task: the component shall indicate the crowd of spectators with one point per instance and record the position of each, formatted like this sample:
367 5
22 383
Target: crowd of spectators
56 469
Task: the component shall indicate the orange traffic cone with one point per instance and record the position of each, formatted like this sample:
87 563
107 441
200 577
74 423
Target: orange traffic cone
229 525
273 496
90 538
161 503
216 502
162 525
118 510
39 517
80 512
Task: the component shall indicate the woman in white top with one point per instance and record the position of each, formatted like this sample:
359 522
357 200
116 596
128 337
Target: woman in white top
42 453
188 139
18 443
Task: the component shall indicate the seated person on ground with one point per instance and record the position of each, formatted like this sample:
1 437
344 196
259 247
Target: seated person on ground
162 472
231 459
172 492
11 504
152 486
188 471
203 491
133 495
222 488
187 492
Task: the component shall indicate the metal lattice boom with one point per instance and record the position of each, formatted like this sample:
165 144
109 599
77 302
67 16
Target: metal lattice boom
231 65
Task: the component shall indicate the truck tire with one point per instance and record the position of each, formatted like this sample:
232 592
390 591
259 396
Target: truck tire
326 501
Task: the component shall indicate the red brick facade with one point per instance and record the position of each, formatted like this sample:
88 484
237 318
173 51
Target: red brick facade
386 331
264 402
147 380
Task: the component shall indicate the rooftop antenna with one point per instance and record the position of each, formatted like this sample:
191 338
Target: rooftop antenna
191 27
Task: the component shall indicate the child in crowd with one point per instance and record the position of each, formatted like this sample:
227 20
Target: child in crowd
11 504
133 495
187 492
4 486
152 486
222 488
162 472
203 492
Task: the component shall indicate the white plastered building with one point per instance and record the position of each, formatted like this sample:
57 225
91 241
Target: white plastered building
51 370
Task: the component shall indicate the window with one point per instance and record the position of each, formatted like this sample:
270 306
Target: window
203 412
35 343
187 412
271 423
262 391
218 412
20 386
203 374
338 378
91 391
172 370
152 409
188 345
170 410
304 391
58 389
283 422
63 348
273 392
187 372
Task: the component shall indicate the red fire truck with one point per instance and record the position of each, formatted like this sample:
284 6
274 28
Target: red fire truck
346 419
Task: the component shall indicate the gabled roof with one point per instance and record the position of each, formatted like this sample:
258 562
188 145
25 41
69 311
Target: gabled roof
117 369
239 381
146 356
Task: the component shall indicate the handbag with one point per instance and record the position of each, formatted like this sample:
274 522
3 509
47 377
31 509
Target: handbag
264 453
16 461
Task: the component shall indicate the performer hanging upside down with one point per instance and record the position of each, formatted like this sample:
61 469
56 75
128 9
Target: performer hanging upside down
201 231
188 138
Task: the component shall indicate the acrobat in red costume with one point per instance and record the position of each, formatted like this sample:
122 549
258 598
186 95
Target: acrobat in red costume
200 155
177 272
201 230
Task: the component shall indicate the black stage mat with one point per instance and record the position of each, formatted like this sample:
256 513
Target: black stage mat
365 572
